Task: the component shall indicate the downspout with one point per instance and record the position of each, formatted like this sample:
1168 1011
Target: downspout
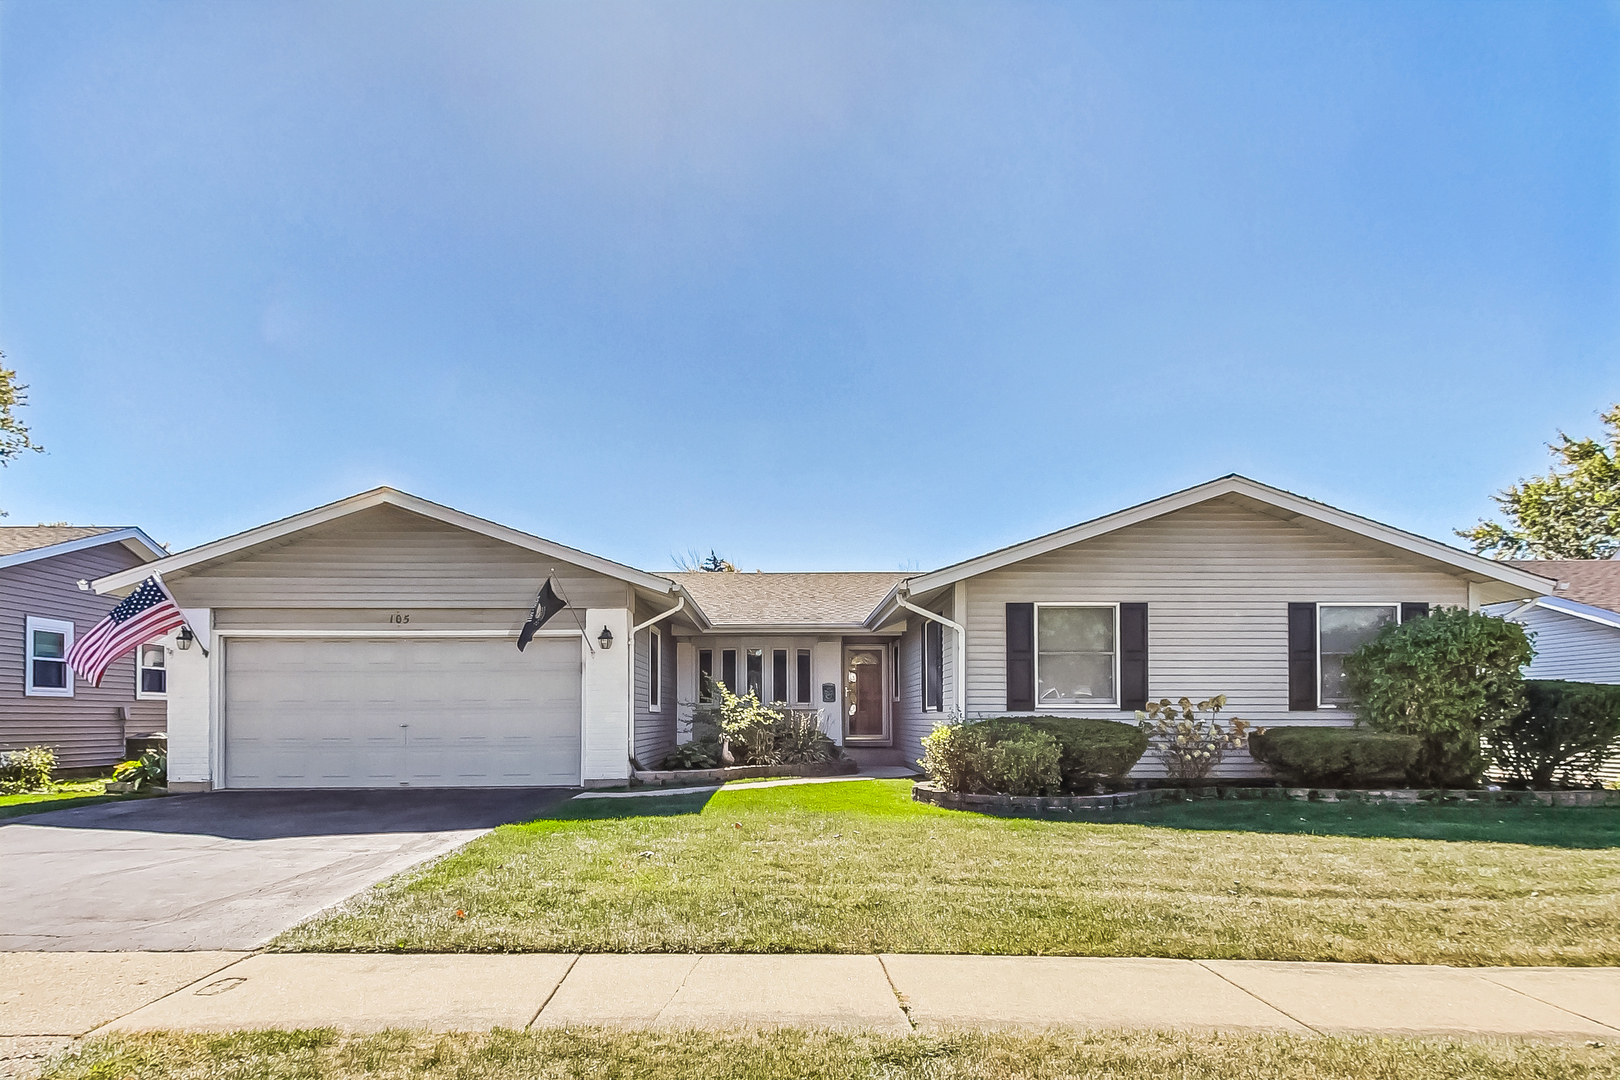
960 662
630 736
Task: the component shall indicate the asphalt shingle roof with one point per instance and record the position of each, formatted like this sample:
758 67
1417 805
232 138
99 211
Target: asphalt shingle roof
19 538
790 599
1585 581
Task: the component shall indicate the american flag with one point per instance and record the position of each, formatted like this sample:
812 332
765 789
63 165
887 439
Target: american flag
146 613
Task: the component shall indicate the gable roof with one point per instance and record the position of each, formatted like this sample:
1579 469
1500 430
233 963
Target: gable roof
366 500
21 544
1292 506
1594 582
1601 616
807 600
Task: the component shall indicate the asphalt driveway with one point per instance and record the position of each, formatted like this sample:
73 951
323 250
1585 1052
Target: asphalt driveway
228 870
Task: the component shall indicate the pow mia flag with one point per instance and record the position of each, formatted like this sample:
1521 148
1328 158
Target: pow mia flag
545 606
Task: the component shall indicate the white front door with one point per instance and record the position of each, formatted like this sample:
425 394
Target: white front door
422 712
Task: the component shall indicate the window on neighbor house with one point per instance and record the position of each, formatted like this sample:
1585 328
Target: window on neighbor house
46 642
803 694
151 674
1076 662
779 675
1340 630
756 673
933 666
728 669
705 676
654 671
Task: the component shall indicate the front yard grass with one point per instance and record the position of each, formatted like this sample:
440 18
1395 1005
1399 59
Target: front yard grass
781 1054
858 867
63 794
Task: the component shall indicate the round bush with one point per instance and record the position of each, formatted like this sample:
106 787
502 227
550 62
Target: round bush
1337 757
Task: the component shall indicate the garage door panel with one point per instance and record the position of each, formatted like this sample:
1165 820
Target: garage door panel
425 712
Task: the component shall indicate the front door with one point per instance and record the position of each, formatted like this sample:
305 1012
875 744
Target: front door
865 716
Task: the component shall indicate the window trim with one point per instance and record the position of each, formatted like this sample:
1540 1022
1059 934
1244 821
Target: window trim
145 695
655 673
1035 654
1320 604
50 626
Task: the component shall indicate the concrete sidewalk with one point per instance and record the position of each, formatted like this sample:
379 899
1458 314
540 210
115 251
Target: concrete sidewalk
65 995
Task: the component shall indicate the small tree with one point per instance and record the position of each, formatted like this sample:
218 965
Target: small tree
1571 513
1450 679
14 435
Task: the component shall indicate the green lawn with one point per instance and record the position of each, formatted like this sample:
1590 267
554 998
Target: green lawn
62 795
777 1055
858 867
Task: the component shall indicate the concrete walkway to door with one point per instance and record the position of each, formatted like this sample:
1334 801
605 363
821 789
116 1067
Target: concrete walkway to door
228 870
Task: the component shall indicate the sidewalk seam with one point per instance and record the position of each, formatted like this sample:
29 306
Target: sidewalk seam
1543 1001
899 998
178 990
659 1015
569 971
1257 997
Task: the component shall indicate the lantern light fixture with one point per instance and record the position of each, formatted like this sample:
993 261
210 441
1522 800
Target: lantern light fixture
605 639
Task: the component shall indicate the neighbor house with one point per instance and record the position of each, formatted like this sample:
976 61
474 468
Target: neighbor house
371 642
42 609
1576 626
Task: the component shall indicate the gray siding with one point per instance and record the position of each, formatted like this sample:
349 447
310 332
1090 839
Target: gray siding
387 558
85 729
1218 579
654 730
1571 648
911 721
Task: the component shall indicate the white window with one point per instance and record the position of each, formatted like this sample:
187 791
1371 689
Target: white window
1340 630
47 644
1076 660
654 672
151 673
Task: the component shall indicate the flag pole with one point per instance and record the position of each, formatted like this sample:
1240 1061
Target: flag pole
578 618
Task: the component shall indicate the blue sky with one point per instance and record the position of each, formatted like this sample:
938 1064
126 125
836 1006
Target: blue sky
823 286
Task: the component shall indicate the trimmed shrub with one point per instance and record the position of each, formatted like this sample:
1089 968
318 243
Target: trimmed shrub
1025 764
1338 757
1451 679
27 769
1566 731
1093 751
963 757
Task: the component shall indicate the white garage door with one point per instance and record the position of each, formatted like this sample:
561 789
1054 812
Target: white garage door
424 712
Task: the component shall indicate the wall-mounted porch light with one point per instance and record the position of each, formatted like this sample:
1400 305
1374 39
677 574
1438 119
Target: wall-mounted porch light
185 638
605 639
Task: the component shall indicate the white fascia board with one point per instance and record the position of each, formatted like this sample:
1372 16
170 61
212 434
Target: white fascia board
365 501
137 541
1602 616
1234 485
724 629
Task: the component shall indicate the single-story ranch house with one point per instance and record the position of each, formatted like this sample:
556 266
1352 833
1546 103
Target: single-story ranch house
371 642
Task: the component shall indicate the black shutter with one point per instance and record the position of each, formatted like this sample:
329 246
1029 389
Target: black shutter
1020 657
1412 610
1133 656
1302 657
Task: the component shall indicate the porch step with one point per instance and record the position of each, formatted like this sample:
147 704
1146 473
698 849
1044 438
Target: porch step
877 755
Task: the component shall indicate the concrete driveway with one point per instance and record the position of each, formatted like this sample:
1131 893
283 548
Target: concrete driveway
228 870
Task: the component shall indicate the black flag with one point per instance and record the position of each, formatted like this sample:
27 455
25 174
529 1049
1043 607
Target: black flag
545 606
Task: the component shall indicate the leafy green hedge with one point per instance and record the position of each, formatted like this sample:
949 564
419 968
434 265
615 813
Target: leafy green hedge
1001 755
1566 731
1341 757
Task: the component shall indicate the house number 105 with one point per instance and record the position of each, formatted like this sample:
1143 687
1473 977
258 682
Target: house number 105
399 619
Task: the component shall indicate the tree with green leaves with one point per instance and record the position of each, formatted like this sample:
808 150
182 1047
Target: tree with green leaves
14 435
1571 513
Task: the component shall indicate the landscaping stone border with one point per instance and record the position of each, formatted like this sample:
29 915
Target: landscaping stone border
839 767
1067 804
